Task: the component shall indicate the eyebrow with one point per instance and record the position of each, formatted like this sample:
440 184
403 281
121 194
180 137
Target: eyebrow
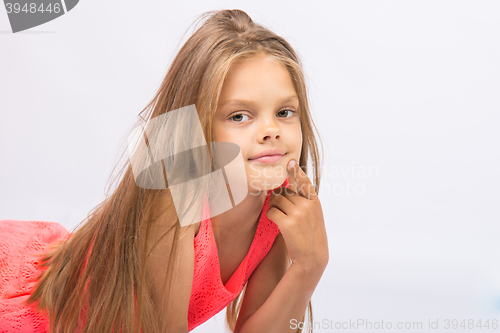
247 103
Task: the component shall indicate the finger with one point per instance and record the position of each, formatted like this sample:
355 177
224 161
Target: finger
304 187
283 190
292 184
287 193
276 215
282 202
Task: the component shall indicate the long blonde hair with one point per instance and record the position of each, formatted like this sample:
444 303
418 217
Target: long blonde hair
112 289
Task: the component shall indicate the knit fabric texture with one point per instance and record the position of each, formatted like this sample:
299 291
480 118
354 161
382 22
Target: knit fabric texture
209 295
19 242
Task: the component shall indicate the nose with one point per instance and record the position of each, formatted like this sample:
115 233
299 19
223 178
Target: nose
269 130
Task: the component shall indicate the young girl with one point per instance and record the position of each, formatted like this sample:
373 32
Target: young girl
131 267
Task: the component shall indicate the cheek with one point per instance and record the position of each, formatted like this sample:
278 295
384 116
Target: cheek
221 135
297 138
244 150
218 133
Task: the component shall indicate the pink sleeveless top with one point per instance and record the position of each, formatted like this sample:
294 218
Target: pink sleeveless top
19 270
209 295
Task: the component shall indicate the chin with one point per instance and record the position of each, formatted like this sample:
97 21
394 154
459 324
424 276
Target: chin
265 183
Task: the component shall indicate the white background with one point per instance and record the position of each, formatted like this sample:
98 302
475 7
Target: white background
406 91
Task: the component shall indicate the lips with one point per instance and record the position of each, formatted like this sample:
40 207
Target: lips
269 153
268 159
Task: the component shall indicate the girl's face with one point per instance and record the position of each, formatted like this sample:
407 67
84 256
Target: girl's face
258 110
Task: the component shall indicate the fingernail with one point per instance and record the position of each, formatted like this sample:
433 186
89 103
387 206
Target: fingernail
291 164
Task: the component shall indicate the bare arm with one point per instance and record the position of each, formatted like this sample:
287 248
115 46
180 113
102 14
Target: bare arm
286 305
272 299
173 310
298 214
263 280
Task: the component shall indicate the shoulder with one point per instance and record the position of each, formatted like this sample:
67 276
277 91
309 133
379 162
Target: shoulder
18 235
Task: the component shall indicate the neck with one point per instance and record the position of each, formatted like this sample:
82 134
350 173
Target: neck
243 218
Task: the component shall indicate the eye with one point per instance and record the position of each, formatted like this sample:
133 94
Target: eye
238 115
290 113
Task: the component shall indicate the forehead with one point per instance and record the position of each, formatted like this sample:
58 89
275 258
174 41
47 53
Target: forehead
257 78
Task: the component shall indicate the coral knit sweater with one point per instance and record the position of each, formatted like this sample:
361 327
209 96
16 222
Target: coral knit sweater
19 240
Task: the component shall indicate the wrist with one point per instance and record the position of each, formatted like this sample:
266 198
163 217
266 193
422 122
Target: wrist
309 272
